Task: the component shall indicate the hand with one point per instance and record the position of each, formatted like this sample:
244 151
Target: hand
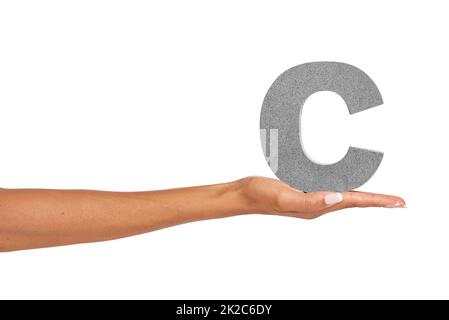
268 195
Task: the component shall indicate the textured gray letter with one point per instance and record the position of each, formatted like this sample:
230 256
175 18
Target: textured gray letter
281 111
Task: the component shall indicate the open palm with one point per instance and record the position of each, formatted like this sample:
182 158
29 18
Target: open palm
268 195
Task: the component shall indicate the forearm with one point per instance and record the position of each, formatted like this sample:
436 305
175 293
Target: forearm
40 218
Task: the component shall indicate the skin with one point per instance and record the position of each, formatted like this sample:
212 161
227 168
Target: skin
37 218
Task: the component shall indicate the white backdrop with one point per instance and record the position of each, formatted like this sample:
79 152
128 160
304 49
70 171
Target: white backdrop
133 95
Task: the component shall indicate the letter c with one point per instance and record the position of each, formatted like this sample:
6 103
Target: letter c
280 124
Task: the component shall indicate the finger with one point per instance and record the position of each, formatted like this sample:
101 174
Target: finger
367 199
316 201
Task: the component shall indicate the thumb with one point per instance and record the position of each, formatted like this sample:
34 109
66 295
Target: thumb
316 201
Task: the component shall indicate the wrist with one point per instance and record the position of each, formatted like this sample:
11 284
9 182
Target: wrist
234 199
243 202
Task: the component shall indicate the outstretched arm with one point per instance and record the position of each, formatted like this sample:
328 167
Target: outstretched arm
35 218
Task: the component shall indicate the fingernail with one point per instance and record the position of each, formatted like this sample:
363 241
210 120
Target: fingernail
333 198
395 205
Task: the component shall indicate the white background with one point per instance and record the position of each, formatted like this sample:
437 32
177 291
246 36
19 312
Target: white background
133 95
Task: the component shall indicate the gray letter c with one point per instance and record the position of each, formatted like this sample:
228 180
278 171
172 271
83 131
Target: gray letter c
281 111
